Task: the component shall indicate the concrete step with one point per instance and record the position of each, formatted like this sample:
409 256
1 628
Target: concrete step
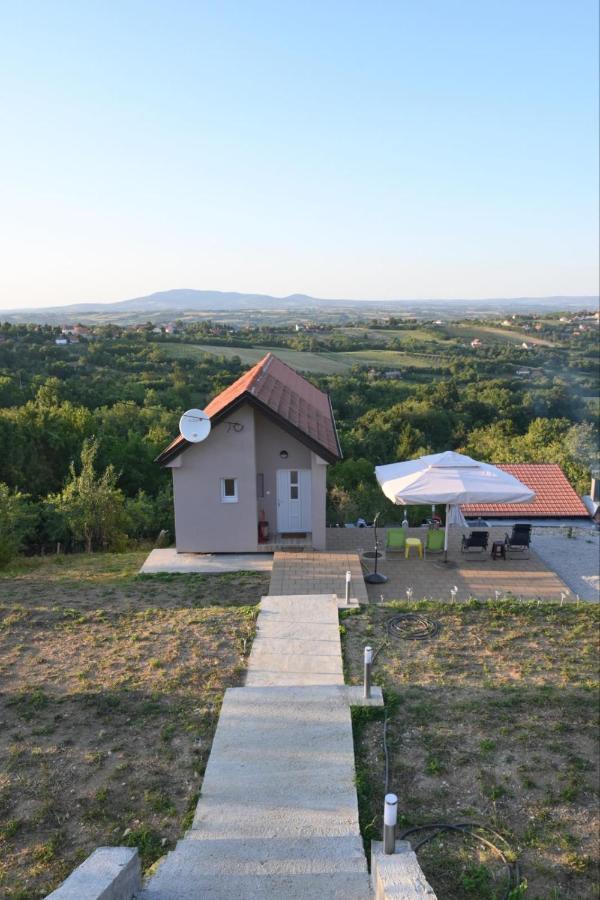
281 764
275 642
252 869
264 678
297 642
311 608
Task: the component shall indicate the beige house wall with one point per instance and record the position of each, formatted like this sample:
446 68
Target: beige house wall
319 501
203 523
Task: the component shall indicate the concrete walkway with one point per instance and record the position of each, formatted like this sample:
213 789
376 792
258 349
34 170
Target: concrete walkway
278 815
169 560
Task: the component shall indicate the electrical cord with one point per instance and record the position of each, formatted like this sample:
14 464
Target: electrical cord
417 627
408 627
470 829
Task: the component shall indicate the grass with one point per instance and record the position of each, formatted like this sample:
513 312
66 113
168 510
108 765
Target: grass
493 721
111 686
494 335
317 363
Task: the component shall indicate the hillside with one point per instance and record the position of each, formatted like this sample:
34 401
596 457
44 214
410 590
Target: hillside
192 304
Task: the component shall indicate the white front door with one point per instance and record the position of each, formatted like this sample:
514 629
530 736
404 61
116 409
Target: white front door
293 500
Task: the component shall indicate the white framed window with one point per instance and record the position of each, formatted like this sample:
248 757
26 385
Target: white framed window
229 490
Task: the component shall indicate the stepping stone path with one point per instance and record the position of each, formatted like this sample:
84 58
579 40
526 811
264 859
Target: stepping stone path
278 815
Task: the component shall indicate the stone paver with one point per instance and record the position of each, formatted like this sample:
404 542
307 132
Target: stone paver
278 814
474 574
317 572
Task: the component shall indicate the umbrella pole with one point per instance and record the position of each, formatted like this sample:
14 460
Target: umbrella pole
446 534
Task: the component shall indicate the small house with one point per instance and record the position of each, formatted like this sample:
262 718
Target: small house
259 477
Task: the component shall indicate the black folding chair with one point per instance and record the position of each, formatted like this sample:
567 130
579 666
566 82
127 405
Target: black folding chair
519 540
476 540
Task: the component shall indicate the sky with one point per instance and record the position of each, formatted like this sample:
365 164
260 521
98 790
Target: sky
374 150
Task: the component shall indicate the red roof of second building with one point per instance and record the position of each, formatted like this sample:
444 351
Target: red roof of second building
554 496
283 391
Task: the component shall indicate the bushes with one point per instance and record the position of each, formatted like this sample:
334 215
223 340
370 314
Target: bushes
17 520
93 505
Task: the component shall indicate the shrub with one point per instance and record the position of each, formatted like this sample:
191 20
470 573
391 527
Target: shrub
17 520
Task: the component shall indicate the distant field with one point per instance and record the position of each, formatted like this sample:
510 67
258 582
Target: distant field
317 363
493 335
385 336
390 359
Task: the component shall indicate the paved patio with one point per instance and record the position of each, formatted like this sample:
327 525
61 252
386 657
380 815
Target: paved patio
317 572
474 574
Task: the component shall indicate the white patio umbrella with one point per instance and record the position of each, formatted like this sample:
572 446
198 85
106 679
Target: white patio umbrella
449 478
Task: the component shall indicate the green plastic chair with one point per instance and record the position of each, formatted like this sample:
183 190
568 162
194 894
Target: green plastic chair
396 540
434 542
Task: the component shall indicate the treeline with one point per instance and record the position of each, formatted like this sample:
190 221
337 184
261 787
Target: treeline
99 412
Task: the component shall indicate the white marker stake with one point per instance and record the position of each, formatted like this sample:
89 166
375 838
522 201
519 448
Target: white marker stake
348 583
368 664
390 817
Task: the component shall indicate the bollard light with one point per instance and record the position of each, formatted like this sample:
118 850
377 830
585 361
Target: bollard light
390 817
368 664
348 583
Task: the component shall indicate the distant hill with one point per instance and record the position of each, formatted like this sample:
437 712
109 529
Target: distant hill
165 305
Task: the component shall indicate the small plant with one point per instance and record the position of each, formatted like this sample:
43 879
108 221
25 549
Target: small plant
433 766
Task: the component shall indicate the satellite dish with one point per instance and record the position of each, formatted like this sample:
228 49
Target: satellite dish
194 426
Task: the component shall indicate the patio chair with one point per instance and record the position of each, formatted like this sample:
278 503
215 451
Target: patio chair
476 540
434 542
519 540
396 540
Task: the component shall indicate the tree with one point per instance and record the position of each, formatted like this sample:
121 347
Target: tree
583 443
17 519
92 504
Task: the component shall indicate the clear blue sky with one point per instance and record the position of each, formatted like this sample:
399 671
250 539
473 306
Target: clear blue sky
445 148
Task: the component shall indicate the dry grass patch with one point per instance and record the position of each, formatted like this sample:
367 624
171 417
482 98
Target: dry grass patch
111 687
495 721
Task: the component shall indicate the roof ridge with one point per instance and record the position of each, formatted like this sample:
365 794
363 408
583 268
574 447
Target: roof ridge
295 371
264 364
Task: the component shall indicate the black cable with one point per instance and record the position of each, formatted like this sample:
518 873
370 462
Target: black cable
469 828
386 752
409 627
417 627
412 627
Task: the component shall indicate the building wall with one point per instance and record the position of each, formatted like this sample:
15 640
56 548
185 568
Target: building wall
203 524
319 502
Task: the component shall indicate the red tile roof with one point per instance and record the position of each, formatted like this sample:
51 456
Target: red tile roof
287 396
554 496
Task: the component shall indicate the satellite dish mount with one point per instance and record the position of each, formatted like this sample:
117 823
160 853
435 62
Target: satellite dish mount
194 426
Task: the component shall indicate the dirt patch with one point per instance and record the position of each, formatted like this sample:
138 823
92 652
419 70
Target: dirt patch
111 687
494 721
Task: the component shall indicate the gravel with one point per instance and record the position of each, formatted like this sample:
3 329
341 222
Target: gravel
576 560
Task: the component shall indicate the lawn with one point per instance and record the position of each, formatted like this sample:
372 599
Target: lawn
493 721
111 685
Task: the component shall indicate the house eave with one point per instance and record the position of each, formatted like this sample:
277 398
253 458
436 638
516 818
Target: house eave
325 453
